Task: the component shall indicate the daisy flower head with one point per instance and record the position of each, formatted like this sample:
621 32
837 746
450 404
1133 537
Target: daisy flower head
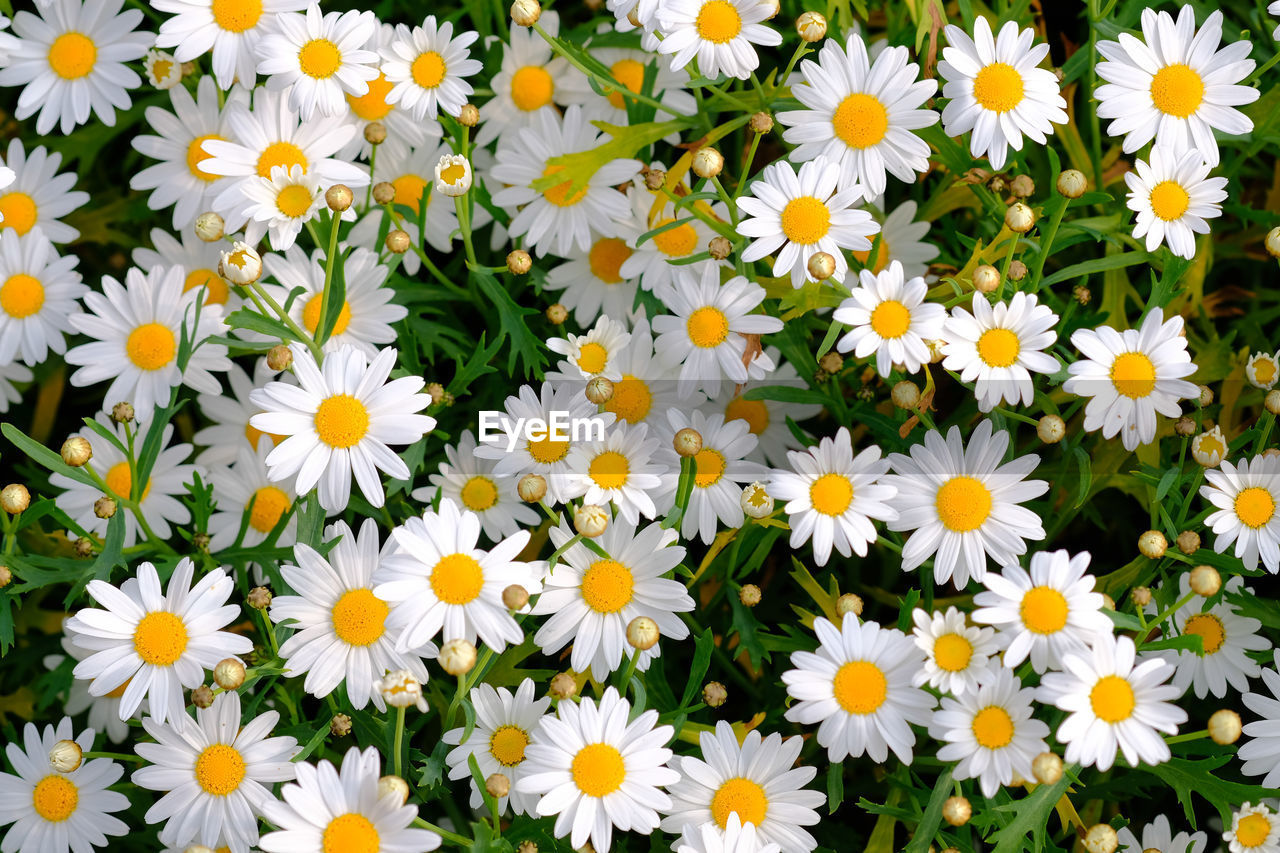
1173 195
138 328
862 114
425 66
595 770
958 657
768 419
38 195
340 421
39 291
1132 376
504 727
997 93
719 34
1245 497
199 261
158 641
54 812
1159 835
627 468
1227 638
162 70
720 472
890 318
593 354
754 780
232 29
1174 85
803 214
592 599
528 82
832 496
1113 704
320 59
468 481
70 60
590 282
857 686
736 837
963 504
245 488
1254 829
1263 370
901 239
999 346
280 205
1260 751
215 771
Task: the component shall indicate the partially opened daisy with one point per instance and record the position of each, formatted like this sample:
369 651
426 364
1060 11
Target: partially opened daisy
39 291
1254 829
997 93
627 468
720 34
158 641
320 58
959 657
1245 497
664 257
280 205
1174 85
1173 195
469 481
1263 370
1158 835
891 319
999 347
832 496
232 29
962 503
504 727
596 769
720 471
39 195
340 421
1113 704
1227 638
862 114
1132 376
425 66
1260 751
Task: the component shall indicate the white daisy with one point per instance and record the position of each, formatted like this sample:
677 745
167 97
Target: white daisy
720 34
527 83
900 239
768 418
198 259
39 291
629 67
1227 638
1245 497
627 468
504 727
280 205
1173 196
469 481
1158 835
426 65
229 414
958 657
245 489
162 70
39 195
736 837
1260 751
320 58
999 347
592 354
1263 370
890 318
720 472
1254 829
658 261
648 389
103 711
591 283
232 29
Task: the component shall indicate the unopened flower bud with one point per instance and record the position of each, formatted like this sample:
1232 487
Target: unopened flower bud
1205 581
1273 242
383 192
1017 271
84 547
1153 544
1224 726
453 175
1050 429
1101 838
398 241
515 597
563 686
687 442
457 657
375 133
1082 294
1072 183
202 696
197 848
519 262
242 265
714 694
65 756
279 357
1047 768
209 226
811 26
756 501
77 451
339 197
591 520
761 123
831 362
957 811
1141 595
1188 541
1272 402
1019 218
642 633
498 785
821 266
708 162
393 786
1206 396
104 507
654 179
557 314
229 674
340 725
749 595
122 413
6 576
905 394
599 390
1022 186
525 13
849 603
15 498
1184 426
527 846
259 598
531 488
719 247
469 115
986 278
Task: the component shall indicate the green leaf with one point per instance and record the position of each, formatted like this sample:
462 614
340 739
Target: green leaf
703 646
41 455
786 394
835 786
108 558
336 298
931 818
1110 262
626 143
1030 815
1186 775
252 321
525 345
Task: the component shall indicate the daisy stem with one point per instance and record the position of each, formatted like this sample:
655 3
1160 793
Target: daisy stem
627 674
399 741
684 488
451 837
330 261
1008 262
269 633
115 756
368 190
1183 738
555 555
1177 605
728 202
1263 69
746 169
606 81
1268 421
1046 241
257 290
1017 417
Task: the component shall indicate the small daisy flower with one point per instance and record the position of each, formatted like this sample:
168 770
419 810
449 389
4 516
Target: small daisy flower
245 489
861 114
504 727
900 239
999 347
54 812
39 291
1210 447
832 496
1262 370
527 83
160 642
280 205
341 422
320 59
755 780
590 282
1227 637
958 657
232 29
736 837
1173 196
857 686
890 318
1112 704
162 70
997 93
1174 85
720 472
199 261
1245 497
1159 836
38 195
1260 751
659 260
469 481
768 418
592 354
1254 829
720 34
629 67
803 214
426 65
595 770
626 468
229 414
216 773
1132 376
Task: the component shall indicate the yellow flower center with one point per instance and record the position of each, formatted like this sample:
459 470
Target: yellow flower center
709 467
161 69
1133 374
160 638
341 421
120 481
19 211
55 798
559 194
952 652
740 796
609 470
507 745
606 259
311 315
237 15
1209 629
592 357
718 22
993 727
372 105
882 256
607 586
196 155
547 450
350 833
629 73
1112 699
409 190
1177 90
358 617
963 504
217 290
220 769
319 58
890 319
831 494
598 769
479 494
294 201
1264 369
708 327
453 173
21 296
676 242
1253 829
1169 200
1255 506
999 348
998 87
269 503
457 579
531 88
151 346
806 220
428 70
72 55
1044 610
284 154
631 400
860 687
754 412
861 120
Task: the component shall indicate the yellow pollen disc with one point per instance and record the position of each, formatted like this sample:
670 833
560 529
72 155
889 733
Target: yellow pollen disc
1209 629
341 421
598 769
708 327
1209 443
860 687
428 70
559 194
160 638
236 16
409 189
1133 374
151 346
890 319
806 220
629 73
718 22
631 400
1265 370
741 796
709 468
952 652
1177 90
311 315
1112 699
998 87
319 58
1043 610
754 412
507 745
161 69
350 833
1252 830
269 503
453 174
606 259
547 451
1255 506
1169 200
253 434
609 470
55 798
280 154
592 358
220 769
531 88
676 242
999 348
358 617
372 105
21 296
993 727
19 211
72 55
607 586
196 155
217 290
479 494
963 504
831 494
294 201
860 121
119 480
882 256
457 579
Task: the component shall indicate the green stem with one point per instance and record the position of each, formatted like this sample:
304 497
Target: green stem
451 837
330 261
625 684
605 81
1263 69
1046 243
399 761
293 327
114 756
1203 733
